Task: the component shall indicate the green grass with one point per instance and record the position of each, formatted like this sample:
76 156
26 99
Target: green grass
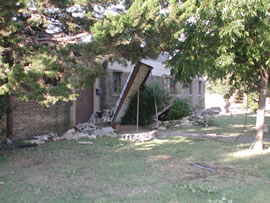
115 171
232 125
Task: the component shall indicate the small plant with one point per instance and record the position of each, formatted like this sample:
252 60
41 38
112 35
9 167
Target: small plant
200 188
223 200
180 108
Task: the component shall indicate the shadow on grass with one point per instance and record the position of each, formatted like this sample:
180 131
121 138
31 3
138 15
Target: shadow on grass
111 170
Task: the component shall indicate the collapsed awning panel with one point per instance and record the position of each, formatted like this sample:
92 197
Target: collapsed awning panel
136 79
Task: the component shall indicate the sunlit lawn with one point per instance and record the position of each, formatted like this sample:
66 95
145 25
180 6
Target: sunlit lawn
233 125
155 171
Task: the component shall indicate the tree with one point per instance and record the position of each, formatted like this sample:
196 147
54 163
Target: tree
220 39
42 54
227 38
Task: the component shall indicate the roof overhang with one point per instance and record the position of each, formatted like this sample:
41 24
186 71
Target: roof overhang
136 79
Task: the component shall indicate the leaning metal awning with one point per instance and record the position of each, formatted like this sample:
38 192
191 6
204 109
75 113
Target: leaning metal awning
136 79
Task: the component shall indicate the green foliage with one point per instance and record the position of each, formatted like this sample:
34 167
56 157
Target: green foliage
253 101
43 66
140 32
223 39
179 109
200 188
147 105
218 87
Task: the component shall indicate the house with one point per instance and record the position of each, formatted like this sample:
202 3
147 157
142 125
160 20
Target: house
117 75
30 119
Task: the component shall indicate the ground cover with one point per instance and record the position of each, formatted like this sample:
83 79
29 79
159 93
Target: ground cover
156 171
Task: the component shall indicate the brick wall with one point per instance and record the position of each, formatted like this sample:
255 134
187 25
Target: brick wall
2 129
30 118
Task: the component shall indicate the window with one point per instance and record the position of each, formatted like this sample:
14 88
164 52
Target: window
172 85
116 82
190 88
200 87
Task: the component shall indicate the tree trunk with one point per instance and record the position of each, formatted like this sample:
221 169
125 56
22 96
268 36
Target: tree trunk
260 112
10 118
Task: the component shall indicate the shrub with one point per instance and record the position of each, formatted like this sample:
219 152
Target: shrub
147 105
179 109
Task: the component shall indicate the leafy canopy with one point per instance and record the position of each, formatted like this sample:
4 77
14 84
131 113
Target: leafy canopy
223 39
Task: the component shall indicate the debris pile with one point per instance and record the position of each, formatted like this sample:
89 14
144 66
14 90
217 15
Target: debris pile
201 117
82 130
101 117
42 139
88 130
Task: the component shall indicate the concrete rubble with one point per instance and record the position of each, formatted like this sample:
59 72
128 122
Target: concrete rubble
93 128
139 137
201 117
82 130
42 139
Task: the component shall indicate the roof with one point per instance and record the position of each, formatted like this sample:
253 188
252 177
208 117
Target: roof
159 69
136 79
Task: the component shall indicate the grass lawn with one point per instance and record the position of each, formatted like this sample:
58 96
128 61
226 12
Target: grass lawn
157 171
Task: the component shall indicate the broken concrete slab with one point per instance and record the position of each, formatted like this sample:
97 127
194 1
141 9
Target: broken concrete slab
140 137
35 141
41 139
86 143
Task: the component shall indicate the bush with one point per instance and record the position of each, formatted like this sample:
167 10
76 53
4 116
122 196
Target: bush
147 105
180 108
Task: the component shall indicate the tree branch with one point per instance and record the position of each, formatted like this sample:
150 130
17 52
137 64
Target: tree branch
65 39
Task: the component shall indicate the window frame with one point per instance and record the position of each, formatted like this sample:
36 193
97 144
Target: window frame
117 83
200 83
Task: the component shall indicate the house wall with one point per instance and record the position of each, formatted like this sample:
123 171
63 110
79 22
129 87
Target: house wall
109 98
97 95
30 118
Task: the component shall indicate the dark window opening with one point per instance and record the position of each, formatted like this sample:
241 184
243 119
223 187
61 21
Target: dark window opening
116 82
190 88
200 87
172 85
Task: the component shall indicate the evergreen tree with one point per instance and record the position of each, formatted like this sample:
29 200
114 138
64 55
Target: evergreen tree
42 53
